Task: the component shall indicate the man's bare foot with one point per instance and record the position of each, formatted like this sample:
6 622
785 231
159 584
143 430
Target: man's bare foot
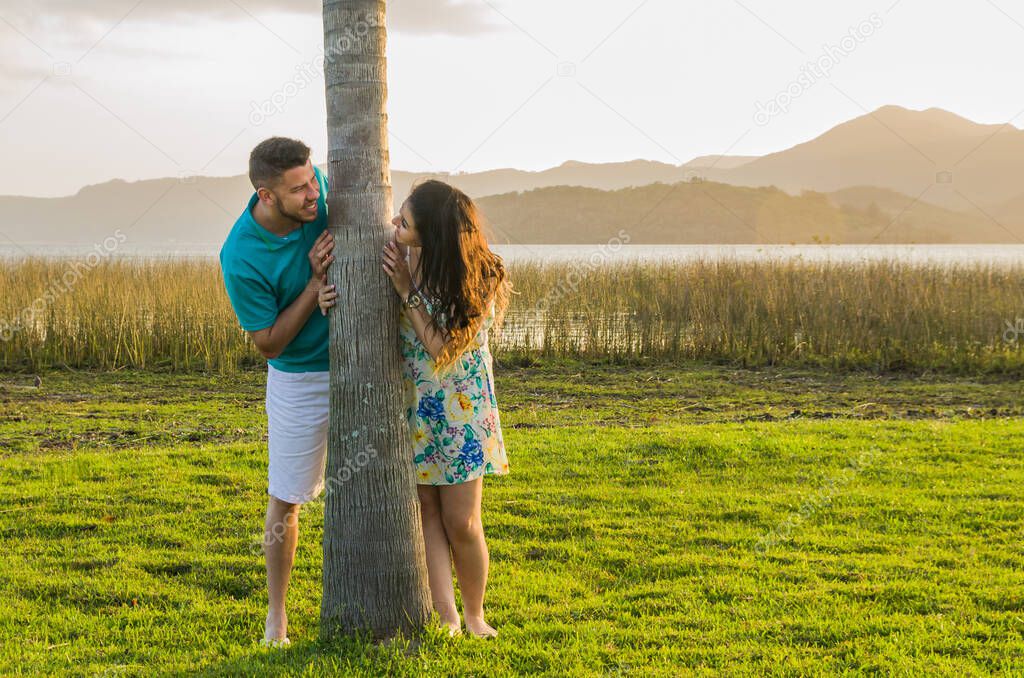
478 628
276 627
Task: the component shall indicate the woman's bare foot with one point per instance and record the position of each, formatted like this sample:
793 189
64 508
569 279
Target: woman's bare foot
276 627
449 615
478 628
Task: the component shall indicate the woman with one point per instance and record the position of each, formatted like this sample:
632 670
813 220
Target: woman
453 291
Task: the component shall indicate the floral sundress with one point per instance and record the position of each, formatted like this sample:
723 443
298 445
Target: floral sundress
453 416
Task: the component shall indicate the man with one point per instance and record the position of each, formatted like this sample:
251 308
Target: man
274 262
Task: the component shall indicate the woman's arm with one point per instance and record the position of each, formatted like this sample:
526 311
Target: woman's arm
433 340
397 268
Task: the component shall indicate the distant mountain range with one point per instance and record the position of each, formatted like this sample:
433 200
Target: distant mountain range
606 176
945 159
894 175
702 212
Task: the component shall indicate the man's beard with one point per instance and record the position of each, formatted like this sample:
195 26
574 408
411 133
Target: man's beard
297 216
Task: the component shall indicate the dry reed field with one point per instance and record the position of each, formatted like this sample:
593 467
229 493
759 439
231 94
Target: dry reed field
174 314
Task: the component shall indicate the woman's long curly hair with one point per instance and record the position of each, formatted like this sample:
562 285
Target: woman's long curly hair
457 269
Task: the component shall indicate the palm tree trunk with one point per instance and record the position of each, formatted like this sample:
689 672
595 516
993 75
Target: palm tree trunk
374 571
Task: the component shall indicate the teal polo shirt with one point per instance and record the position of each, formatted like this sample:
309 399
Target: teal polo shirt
264 273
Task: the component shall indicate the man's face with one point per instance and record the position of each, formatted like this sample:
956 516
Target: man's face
295 194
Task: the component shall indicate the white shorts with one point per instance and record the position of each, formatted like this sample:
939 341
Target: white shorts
297 416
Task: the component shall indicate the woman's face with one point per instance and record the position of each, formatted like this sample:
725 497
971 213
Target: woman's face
405 227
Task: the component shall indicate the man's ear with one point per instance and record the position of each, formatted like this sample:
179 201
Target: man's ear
265 195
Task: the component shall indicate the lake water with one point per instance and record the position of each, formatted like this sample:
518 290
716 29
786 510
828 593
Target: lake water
611 253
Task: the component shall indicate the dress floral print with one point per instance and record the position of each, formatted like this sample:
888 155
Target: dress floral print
453 416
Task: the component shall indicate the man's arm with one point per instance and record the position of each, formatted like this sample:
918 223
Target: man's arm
272 341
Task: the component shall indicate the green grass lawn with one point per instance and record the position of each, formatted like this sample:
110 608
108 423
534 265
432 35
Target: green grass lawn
657 521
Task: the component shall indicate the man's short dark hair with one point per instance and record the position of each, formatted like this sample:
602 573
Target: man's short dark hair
274 157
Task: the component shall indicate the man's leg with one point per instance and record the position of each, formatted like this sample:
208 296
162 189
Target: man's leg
280 537
297 423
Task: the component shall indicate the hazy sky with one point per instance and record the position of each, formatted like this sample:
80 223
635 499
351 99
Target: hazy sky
136 89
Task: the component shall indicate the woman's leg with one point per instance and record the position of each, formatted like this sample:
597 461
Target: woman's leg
280 536
460 513
439 562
